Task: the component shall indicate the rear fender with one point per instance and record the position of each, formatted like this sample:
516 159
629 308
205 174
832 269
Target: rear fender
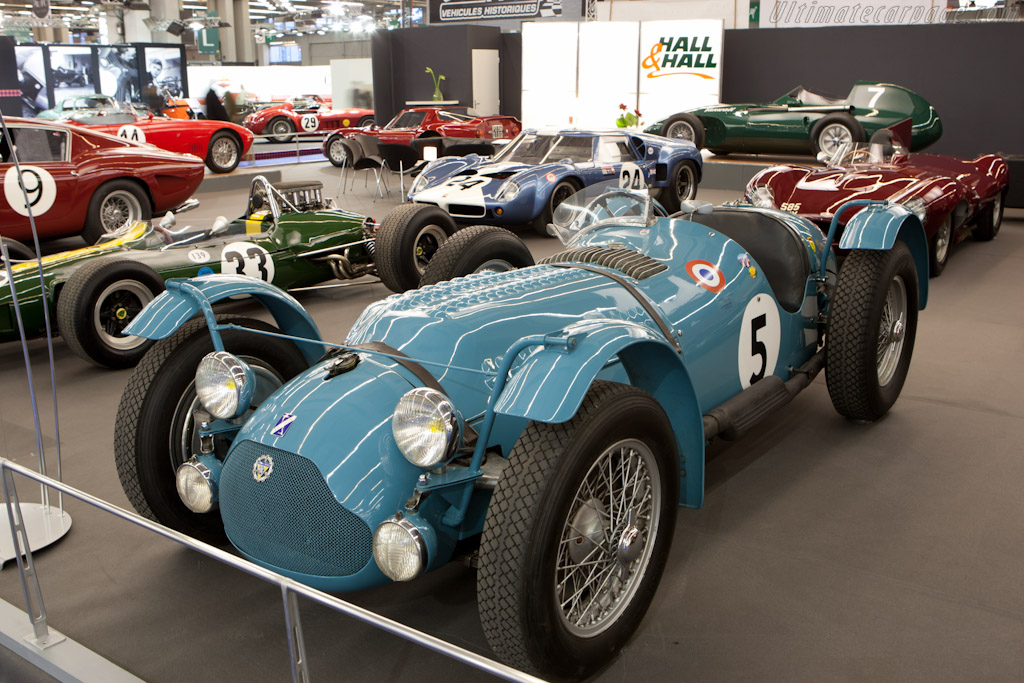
185 298
550 385
878 226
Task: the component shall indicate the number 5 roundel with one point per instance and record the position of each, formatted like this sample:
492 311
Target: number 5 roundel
246 258
759 340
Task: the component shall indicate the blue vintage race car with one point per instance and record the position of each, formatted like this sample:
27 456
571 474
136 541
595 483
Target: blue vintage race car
534 173
546 420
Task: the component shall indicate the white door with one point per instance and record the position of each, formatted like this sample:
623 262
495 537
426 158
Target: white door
486 77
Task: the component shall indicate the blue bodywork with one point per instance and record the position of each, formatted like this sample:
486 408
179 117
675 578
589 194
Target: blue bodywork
472 188
509 348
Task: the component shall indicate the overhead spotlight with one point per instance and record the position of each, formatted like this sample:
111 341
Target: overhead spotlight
176 28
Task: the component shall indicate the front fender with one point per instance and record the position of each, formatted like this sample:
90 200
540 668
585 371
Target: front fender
878 226
177 304
550 385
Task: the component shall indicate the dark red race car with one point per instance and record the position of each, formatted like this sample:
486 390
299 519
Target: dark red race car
422 122
952 197
82 181
308 115
220 143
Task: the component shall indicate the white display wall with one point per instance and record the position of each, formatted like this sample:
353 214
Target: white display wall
265 82
577 74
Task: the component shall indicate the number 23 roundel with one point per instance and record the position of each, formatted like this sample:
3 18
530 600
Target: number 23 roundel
246 258
760 336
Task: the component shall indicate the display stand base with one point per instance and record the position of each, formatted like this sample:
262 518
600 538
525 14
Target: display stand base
43 524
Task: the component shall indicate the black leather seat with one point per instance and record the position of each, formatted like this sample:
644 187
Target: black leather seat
778 251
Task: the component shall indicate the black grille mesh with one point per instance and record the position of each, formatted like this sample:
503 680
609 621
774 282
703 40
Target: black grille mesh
292 519
630 263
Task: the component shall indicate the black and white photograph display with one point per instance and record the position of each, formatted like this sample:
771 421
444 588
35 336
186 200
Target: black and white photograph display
119 73
32 78
71 72
163 71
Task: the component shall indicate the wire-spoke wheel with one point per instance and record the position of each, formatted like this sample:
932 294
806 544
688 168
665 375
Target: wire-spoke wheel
224 153
684 126
872 324
577 534
114 205
606 544
940 246
892 330
118 210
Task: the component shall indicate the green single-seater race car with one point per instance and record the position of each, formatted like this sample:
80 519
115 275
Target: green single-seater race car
802 121
288 236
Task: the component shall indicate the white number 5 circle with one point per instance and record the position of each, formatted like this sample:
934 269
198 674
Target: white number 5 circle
309 122
39 185
246 258
759 340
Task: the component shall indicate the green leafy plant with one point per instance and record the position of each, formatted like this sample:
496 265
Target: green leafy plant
437 84
627 118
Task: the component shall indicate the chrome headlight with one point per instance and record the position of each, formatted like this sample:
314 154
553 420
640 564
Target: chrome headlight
507 192
762 197
425 427
224 384
197 487
399 549
917 206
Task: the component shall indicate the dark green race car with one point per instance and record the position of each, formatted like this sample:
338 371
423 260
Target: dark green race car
802 121
288 236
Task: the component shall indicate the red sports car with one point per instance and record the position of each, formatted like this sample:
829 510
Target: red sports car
82 181
952 197
423 122
220 143
308 115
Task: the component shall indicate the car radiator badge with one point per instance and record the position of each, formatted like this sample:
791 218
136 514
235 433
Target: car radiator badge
262 468
283 424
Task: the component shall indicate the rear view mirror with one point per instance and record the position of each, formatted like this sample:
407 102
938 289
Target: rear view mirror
168 221
696 206
823 157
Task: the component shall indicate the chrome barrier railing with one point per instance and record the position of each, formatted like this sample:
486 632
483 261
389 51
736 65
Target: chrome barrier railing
290 589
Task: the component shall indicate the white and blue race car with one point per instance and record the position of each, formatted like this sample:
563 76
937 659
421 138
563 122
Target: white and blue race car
538 170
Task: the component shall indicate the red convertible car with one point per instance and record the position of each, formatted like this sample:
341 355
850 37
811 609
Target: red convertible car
952 197
220 143
308 115
82 181
423 122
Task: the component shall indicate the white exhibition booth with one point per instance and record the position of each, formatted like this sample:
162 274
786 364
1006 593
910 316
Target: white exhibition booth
578 74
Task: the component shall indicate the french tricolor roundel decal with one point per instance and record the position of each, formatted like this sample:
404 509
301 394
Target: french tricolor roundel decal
706 275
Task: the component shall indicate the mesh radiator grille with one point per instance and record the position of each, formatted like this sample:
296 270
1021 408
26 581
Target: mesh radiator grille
291 520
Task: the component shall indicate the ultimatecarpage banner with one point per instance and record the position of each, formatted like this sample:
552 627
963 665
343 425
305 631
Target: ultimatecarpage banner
442 11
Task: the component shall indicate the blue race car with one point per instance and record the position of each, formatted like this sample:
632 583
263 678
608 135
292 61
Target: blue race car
533 174
543 423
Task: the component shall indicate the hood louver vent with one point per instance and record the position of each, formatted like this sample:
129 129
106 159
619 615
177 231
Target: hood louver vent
629 263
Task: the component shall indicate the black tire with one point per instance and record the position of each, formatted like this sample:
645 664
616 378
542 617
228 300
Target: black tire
114 204
865 363
408 238
833 130
280 129
990 219
562 191
338 152
940 246
684 126
535 510
154 417
98 302
366 121
681 186
224 152
17 250
475 249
